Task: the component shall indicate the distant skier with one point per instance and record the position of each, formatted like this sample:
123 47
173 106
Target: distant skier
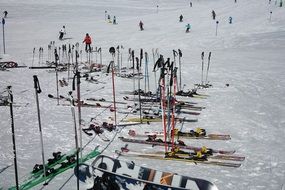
87 40
114 20
62 32
190 4
188 27
181 18
230 20
141 25
109 19
5 14
213 14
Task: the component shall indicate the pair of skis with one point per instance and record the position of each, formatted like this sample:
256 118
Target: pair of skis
187 135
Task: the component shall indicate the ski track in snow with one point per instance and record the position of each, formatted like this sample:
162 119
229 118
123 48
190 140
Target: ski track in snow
248 55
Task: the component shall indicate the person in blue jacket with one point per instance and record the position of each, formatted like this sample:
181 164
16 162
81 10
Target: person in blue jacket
188 27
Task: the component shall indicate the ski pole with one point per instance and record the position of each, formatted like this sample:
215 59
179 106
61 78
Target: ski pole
180 77
139 88
56 74
38 91
3 29
202 57
111 66
77 76
75 134
155 82
134 82
209 59
174 57
33 57
13 135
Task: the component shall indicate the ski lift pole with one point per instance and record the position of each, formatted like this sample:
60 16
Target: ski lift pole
38 91
3 29
13 135
75 134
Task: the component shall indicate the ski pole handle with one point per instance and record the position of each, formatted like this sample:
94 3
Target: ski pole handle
37 84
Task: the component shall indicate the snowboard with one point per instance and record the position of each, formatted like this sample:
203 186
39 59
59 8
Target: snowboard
128 175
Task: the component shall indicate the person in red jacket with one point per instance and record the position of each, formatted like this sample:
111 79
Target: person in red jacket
88 42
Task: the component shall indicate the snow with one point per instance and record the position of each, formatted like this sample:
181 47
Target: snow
248 55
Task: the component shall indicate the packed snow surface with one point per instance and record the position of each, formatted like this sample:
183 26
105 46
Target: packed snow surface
247 54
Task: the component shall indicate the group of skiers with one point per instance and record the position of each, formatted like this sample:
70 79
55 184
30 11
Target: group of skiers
114 19
87 39
188 26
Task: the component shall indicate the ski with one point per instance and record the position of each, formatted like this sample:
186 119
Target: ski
209 161
42 67
104 100
57 168
128 175
179 145
157 119
189 135
60 97
182 153
97 105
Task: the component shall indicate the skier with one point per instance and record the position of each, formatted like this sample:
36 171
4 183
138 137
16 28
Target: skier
213 14
62 32
5 14
109 18
188 27
230 19
190 4
141 26
114 20
87 40
181 18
